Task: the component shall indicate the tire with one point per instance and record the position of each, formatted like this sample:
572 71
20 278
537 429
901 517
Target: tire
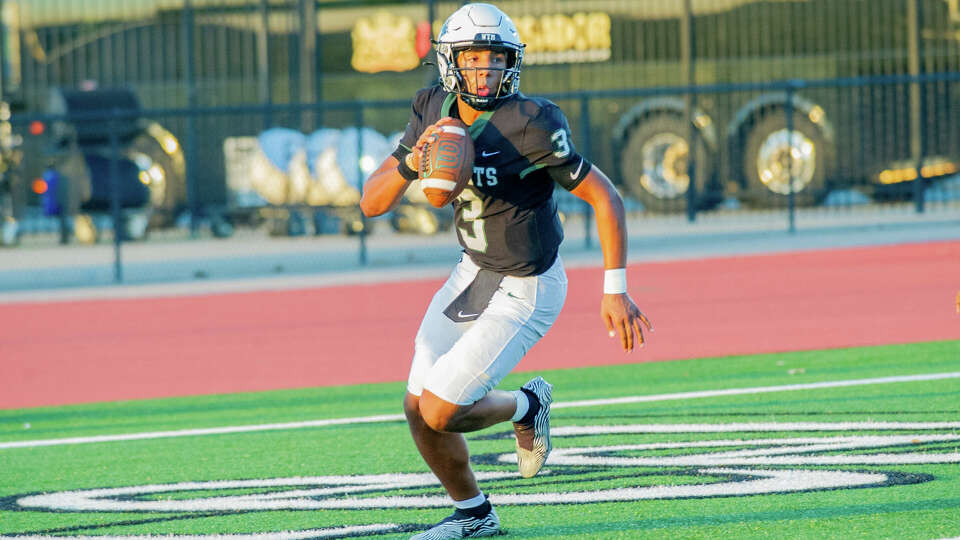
653 164
767 162
172 197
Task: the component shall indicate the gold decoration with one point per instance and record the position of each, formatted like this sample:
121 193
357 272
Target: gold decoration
384 42
557 38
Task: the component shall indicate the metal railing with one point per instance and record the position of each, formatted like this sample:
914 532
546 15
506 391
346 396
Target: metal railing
201 137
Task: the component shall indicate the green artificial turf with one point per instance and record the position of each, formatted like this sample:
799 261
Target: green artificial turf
918 500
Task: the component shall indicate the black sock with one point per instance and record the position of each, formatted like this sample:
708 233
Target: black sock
532 410
477 511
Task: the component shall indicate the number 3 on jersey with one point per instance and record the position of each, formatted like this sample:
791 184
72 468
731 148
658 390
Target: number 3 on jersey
561 146
471 231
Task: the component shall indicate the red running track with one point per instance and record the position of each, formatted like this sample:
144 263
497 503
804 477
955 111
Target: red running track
105 350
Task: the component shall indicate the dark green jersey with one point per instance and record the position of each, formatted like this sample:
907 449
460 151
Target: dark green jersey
506 219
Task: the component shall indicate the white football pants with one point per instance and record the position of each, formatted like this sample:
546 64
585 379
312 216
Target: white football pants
461 362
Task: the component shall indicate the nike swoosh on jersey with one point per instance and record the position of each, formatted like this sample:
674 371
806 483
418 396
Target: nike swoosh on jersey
484 153
576 173
463 315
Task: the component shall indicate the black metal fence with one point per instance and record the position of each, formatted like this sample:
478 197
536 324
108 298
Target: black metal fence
719 108
918 183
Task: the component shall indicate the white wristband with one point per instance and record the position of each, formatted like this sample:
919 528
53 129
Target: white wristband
615 281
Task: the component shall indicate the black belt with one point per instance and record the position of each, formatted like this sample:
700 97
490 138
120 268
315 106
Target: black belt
470 303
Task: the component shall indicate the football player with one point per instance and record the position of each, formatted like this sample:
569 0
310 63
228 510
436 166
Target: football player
509 285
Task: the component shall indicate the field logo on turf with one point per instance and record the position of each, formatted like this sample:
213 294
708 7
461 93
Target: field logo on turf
698 461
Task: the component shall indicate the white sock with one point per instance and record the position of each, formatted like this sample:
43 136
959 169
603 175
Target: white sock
523 405
470 503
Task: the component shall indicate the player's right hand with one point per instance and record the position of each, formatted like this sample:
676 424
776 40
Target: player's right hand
424 137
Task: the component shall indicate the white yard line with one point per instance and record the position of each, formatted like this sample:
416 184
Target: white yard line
205 431
756 390
400 417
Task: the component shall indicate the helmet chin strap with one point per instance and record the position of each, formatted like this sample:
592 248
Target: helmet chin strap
480 106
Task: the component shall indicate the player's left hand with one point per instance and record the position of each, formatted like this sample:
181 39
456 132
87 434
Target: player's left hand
417 149
622 316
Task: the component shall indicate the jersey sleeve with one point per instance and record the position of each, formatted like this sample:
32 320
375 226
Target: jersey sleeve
414 126
548 145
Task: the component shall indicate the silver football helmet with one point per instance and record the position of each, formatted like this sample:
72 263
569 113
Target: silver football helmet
479 26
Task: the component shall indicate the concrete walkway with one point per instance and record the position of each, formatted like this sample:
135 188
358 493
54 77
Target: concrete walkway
173 263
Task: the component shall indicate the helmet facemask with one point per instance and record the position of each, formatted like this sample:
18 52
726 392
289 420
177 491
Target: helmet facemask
454 77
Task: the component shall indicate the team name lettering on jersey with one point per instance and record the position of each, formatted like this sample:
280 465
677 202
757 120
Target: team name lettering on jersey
484 176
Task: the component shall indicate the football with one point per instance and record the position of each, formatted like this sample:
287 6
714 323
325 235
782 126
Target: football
446 163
